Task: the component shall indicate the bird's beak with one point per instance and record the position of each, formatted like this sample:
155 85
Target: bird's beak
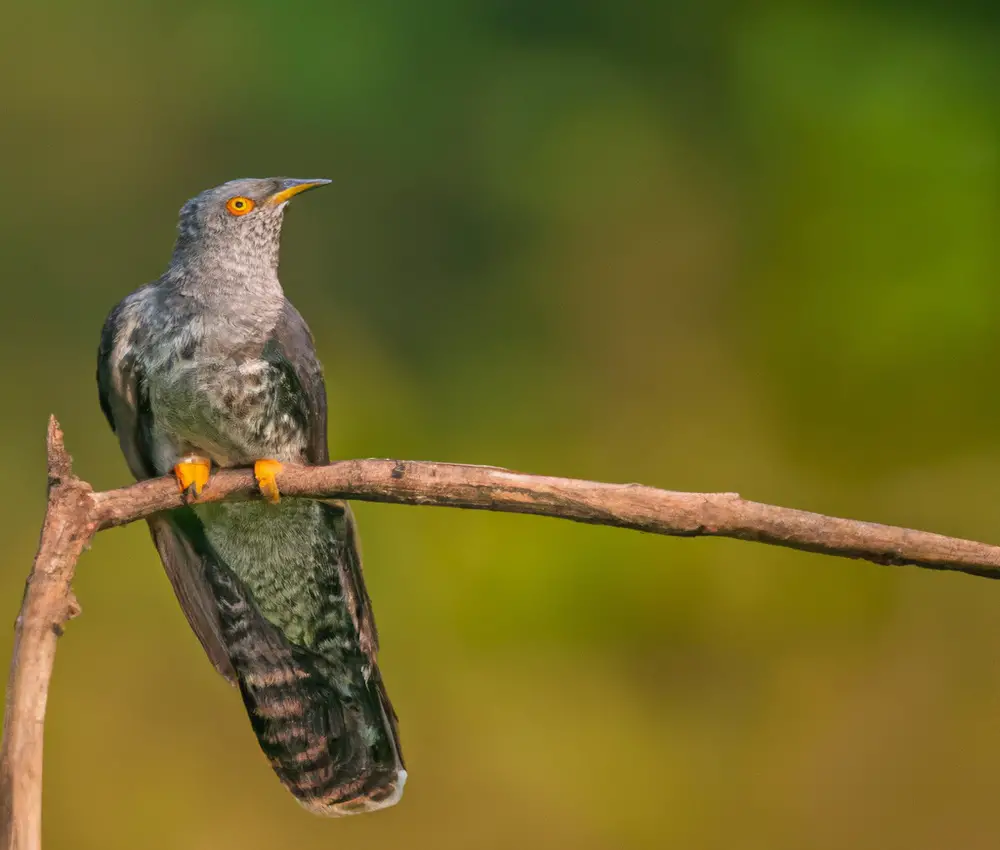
290 188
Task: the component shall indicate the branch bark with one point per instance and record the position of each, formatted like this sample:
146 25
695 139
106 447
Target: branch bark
48 603
75 513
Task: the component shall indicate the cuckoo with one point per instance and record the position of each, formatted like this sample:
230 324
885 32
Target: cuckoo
210 367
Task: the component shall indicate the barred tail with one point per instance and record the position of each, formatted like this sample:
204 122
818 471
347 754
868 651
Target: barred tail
337 757
326 726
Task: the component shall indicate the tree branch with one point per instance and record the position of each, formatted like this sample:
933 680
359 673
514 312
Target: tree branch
75 513
48 602
633 506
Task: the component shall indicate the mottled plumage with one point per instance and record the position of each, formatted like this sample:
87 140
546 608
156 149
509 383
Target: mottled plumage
213 360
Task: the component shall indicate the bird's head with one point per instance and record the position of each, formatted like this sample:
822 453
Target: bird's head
238 225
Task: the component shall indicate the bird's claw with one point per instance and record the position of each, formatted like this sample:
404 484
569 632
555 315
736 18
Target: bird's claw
265 471
192 474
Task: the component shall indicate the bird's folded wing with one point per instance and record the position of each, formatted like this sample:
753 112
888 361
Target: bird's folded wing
125 401
186 571
352 580
291 350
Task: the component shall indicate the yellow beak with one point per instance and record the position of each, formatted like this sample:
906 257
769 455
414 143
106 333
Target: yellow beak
291 188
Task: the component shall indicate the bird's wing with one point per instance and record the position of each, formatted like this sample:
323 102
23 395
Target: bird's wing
291 350
125 401
176 536
122 390
291 353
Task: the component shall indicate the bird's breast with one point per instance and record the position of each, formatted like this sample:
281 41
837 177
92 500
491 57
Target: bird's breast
223 408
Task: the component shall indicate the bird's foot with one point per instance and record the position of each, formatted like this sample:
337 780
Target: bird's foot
192 473
264 471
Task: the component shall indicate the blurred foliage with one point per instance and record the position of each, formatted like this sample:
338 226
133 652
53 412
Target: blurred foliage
699 245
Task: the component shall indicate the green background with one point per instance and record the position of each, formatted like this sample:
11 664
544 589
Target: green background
704 246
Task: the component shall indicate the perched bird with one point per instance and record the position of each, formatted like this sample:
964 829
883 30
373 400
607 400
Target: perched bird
211 366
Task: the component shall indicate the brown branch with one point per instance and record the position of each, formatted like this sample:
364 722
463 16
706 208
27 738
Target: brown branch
75 513
633 506
48 602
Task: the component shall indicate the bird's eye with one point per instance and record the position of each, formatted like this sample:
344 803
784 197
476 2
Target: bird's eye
239 205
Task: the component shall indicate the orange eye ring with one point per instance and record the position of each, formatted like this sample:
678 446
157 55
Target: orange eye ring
239 205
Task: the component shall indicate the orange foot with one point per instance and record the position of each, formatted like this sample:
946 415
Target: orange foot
192 474
264 471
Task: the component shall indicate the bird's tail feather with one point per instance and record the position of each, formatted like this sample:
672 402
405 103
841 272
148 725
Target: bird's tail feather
327 727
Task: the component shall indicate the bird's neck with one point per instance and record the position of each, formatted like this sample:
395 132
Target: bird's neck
234 290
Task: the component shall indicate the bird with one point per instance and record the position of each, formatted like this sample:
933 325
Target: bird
210 366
